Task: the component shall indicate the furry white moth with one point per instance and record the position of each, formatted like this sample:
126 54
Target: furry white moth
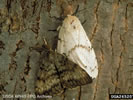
74 43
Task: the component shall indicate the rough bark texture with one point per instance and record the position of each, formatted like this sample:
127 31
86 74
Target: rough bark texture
24 24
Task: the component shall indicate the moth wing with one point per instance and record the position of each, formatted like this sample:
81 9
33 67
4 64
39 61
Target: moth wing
71 33
48 81
85 58
68 35
76 45
71 74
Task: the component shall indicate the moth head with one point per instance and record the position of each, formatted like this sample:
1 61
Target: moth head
68 10
71 22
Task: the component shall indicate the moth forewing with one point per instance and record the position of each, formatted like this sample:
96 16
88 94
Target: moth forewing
74 42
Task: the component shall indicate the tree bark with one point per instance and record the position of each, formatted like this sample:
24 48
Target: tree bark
25 23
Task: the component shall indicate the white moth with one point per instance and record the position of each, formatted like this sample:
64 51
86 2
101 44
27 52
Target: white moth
74 43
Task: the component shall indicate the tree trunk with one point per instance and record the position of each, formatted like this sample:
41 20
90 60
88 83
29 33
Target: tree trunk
25 23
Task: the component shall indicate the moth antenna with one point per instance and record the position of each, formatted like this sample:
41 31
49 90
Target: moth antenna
76 10
83 22
53 30
58 28
58 18
46 45
45 42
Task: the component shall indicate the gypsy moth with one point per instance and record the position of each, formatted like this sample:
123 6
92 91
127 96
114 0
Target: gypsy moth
57 73
74 42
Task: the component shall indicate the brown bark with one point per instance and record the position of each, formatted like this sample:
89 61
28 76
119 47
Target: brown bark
109 26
